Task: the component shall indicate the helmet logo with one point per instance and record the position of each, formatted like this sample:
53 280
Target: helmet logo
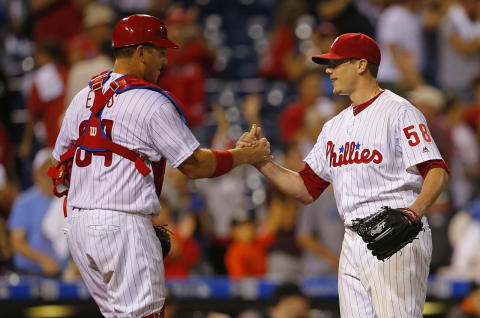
334 42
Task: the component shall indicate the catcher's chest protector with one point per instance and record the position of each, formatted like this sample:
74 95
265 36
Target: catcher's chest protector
94 139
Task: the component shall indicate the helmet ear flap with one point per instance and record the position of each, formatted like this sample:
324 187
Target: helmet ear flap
140 28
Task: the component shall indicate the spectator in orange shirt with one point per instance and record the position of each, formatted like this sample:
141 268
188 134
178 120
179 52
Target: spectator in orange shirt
471 304
246 255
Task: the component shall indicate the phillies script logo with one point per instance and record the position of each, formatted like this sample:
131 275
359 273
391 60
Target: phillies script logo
350 153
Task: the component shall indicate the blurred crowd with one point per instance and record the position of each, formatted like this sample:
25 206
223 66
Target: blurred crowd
240 62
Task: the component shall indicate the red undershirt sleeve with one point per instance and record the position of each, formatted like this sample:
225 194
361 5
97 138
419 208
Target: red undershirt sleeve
314 184
424 167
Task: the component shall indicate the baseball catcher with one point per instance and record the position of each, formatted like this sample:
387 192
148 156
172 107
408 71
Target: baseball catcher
388 230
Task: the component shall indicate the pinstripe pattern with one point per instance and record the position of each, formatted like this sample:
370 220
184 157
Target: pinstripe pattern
361 189
116 277
110 234
394 288
389 137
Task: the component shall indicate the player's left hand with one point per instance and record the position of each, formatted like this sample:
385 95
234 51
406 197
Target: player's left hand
388 230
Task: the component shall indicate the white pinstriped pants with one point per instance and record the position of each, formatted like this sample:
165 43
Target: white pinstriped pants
369 288
120 260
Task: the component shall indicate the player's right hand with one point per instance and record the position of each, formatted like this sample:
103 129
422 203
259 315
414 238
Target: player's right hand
259 152
49 266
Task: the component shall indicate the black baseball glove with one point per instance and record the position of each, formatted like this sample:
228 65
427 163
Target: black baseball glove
388 230
163 234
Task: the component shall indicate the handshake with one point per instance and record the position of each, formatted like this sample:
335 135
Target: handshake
255 149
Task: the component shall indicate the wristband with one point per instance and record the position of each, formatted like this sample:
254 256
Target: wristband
224 162
410 214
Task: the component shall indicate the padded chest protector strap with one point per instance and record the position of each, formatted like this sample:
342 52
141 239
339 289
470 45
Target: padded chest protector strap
93 137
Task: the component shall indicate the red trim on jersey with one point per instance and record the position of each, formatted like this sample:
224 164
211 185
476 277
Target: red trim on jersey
224 162
425 167
314 184
65 207
357 109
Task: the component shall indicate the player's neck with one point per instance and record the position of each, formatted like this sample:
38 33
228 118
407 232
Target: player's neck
124 66
365 91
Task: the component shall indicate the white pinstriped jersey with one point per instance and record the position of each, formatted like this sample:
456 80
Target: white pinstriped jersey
142 120
370 158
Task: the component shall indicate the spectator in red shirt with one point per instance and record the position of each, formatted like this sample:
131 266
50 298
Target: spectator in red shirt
310 94
185 74
472 113
46 98
56 20
97 28
283 41
185 251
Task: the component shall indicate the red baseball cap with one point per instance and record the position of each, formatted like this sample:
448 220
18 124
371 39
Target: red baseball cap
351 45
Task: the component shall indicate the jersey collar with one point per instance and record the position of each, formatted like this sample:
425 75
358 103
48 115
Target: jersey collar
357 109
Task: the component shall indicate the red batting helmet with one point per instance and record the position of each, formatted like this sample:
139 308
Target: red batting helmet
141 28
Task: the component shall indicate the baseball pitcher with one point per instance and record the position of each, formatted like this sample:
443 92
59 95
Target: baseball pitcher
386 171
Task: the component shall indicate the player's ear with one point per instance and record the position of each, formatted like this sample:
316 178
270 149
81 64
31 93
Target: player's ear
141 53
362 66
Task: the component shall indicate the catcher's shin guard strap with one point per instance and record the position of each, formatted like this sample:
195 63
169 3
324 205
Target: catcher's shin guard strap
224 162
160 314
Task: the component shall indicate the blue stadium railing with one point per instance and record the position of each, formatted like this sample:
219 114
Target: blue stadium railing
197 288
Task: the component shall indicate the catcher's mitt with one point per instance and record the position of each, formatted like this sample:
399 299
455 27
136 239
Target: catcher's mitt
163 234
388 230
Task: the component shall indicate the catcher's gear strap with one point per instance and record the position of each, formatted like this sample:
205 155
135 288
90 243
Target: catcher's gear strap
224 162
160 314
61 173
158 168
93 142
93 137
128 82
